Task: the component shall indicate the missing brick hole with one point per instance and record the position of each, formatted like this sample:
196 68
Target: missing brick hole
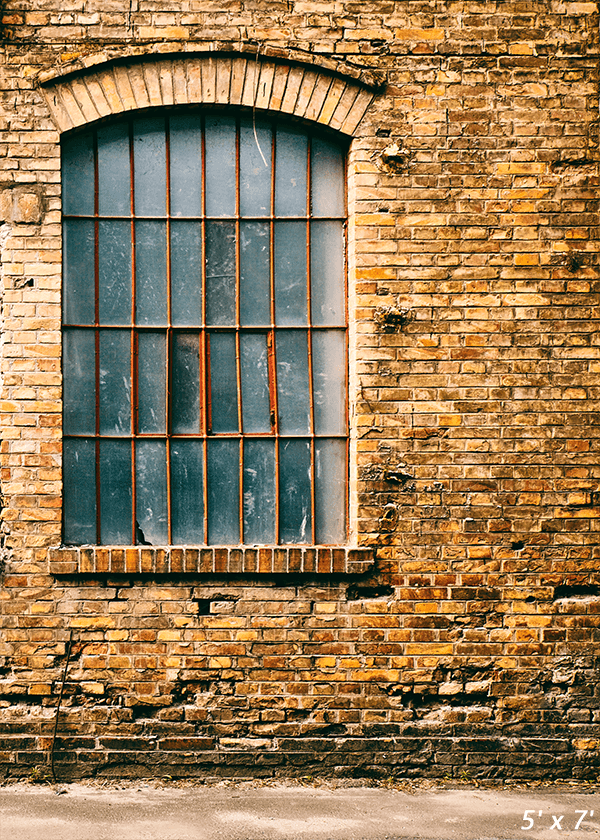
574 262
517 545
566 590
358 591
203 605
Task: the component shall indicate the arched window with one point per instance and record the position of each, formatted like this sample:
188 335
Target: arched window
204 333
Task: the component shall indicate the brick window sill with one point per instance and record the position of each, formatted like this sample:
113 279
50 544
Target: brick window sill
187 560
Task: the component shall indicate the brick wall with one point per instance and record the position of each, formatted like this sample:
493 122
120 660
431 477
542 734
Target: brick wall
469 645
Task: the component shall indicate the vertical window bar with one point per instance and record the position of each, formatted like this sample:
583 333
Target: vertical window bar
238 362
97 331
203 345
309 336
133 369
271 339
169 331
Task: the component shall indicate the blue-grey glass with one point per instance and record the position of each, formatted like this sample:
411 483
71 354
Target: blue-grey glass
254 363
114 272
185 384
186 273
223 482
151 524
219 145
115 382
259 492
330 491
152 383
327 178
79 271
291 291
151 273
255 284
79 492
293 396
79 382
187 494
78 175
295 518
255 168
115 493
220 273
114 170
291 158
223 383
185 154
329 381
327 273
150 166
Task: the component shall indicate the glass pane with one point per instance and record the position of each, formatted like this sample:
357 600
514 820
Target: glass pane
256 404
330 491
259 492
291 155
78 175
255 168
114 171
79 492
295 524
329 381
185 152
115 382
223 479
327 178
220 273
291 299
115 492
223 383
185 384
255 285
150 166
187 499
151 272
293 399
152 383
186 273
114 256
151 493
79 384
79 272
327 273
220 166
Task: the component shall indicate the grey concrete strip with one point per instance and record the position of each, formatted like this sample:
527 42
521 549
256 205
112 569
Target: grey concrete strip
144 811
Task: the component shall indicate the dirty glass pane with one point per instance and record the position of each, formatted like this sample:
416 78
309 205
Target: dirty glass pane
255 168
151 272
79 494
291 155
79 388
150 166
327 273
259 492
255 382
220 273
185 152
223 479
294 492
219 146
114 257
185 384
329 381
115 492
327 178
152 383
79 272
115 382
78 175
291 299
114 172
187 501
255 287
151 492
223 383
293 396
330 491
186 273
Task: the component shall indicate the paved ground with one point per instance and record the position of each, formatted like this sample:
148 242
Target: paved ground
148 811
